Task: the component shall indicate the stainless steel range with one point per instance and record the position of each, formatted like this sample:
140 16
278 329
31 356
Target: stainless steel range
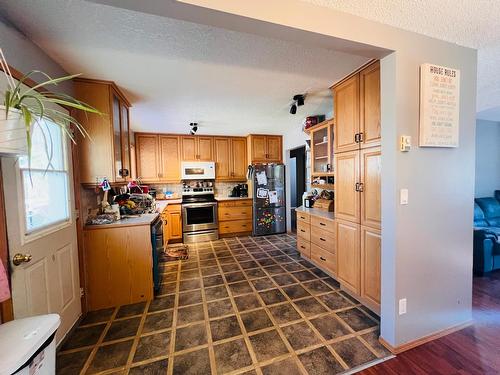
199 212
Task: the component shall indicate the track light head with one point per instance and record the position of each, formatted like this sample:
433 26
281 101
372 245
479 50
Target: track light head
293 109
299 98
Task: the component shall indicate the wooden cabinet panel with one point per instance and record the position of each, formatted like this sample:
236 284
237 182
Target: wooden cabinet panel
323 258
370 265
205 147
304 247
239 162
235 226
348 254
147 156
170 150
304 230
175 225
235 213
371 159
369 107
258 148
118 266
189 151
303 216
274 151
323 239
323 223
127 152
346 107
347 199
235 203
222 153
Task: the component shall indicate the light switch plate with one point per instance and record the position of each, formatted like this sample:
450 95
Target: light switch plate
403 196
402 306
405 143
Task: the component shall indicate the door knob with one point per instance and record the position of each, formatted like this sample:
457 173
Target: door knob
21 258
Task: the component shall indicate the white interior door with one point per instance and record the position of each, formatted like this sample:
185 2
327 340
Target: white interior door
41 225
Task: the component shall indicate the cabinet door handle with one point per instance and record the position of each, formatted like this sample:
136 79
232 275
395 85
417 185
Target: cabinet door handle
303 231
361 187
322 239
322 224
323 259
302 247
360 137
356 138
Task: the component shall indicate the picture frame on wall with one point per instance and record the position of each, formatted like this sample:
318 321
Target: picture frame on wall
439 106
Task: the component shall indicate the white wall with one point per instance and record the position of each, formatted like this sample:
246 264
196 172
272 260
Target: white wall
487 158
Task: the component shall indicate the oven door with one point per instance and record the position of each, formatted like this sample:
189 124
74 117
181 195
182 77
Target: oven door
199 216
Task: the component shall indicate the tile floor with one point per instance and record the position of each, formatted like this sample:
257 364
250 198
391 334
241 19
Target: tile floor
237 306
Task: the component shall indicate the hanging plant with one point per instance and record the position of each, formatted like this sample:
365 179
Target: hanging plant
25 108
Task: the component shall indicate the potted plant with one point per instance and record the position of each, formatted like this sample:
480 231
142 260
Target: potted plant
24 108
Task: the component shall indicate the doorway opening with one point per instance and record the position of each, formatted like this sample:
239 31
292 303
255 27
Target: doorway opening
297 182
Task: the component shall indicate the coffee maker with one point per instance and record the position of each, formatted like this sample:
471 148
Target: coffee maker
240 190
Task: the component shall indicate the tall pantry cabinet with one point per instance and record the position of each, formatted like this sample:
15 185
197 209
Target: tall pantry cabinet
357 183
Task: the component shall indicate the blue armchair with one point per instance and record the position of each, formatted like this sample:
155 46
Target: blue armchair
486 234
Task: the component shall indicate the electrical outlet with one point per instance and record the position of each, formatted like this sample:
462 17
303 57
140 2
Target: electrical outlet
402 306
403 196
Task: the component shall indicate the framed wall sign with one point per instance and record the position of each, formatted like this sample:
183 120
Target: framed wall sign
439 106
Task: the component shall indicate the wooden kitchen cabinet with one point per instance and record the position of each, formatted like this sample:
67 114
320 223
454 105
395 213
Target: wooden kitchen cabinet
230 158
357 110
235 217
369 105
371 241
370 177
346 105
265 148
347 199
197 148
170 163
147 150
118 263
348 254
106 153
172 223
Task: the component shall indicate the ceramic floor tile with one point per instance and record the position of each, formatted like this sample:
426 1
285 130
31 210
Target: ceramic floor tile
193 363
272 296
84 336
71 363
353 352
284 313
335 301
154 368
98 316
300 335
241 287
256 320
189 284
130 310
224 328
153 346
190 336
372 339
268 345
320 362
190 314
121 329
295 291
263 283
110 356
356 319
285 367
231 356
189 298
330 327
219 308
317 287
284 279
158 321
212 280
310 307
216 292
162 303
247 302
234 277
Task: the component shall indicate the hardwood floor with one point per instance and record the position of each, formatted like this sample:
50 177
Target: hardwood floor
473 350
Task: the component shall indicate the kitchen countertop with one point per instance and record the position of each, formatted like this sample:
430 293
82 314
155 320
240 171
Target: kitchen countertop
317 212
219 198
144 219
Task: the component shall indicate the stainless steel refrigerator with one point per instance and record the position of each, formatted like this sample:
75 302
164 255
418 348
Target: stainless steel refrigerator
269 204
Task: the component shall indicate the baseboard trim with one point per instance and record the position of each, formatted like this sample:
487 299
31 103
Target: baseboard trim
423 340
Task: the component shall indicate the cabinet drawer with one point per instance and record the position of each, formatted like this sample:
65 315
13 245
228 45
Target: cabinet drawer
235 226
325 224
303 216
304 230
323 238
304 247
235 203
323 258
235 213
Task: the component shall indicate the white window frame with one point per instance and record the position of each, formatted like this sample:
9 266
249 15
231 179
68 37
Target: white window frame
27 236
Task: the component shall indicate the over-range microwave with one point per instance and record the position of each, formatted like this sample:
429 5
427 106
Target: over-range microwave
198 170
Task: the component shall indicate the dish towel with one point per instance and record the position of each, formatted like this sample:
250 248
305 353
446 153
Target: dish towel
4 284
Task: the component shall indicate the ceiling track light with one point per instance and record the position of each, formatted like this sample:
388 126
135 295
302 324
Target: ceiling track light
194 128
299 98
293 109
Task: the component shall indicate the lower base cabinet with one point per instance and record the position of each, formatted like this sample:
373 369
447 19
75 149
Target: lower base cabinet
172 223
118 265
235 217
348 255
371 241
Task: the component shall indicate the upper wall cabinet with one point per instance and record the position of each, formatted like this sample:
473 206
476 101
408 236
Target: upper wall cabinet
197 148
230 158
369 105
265 148
357 110
107 152
158 157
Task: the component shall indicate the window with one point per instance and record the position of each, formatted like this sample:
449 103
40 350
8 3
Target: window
45 186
